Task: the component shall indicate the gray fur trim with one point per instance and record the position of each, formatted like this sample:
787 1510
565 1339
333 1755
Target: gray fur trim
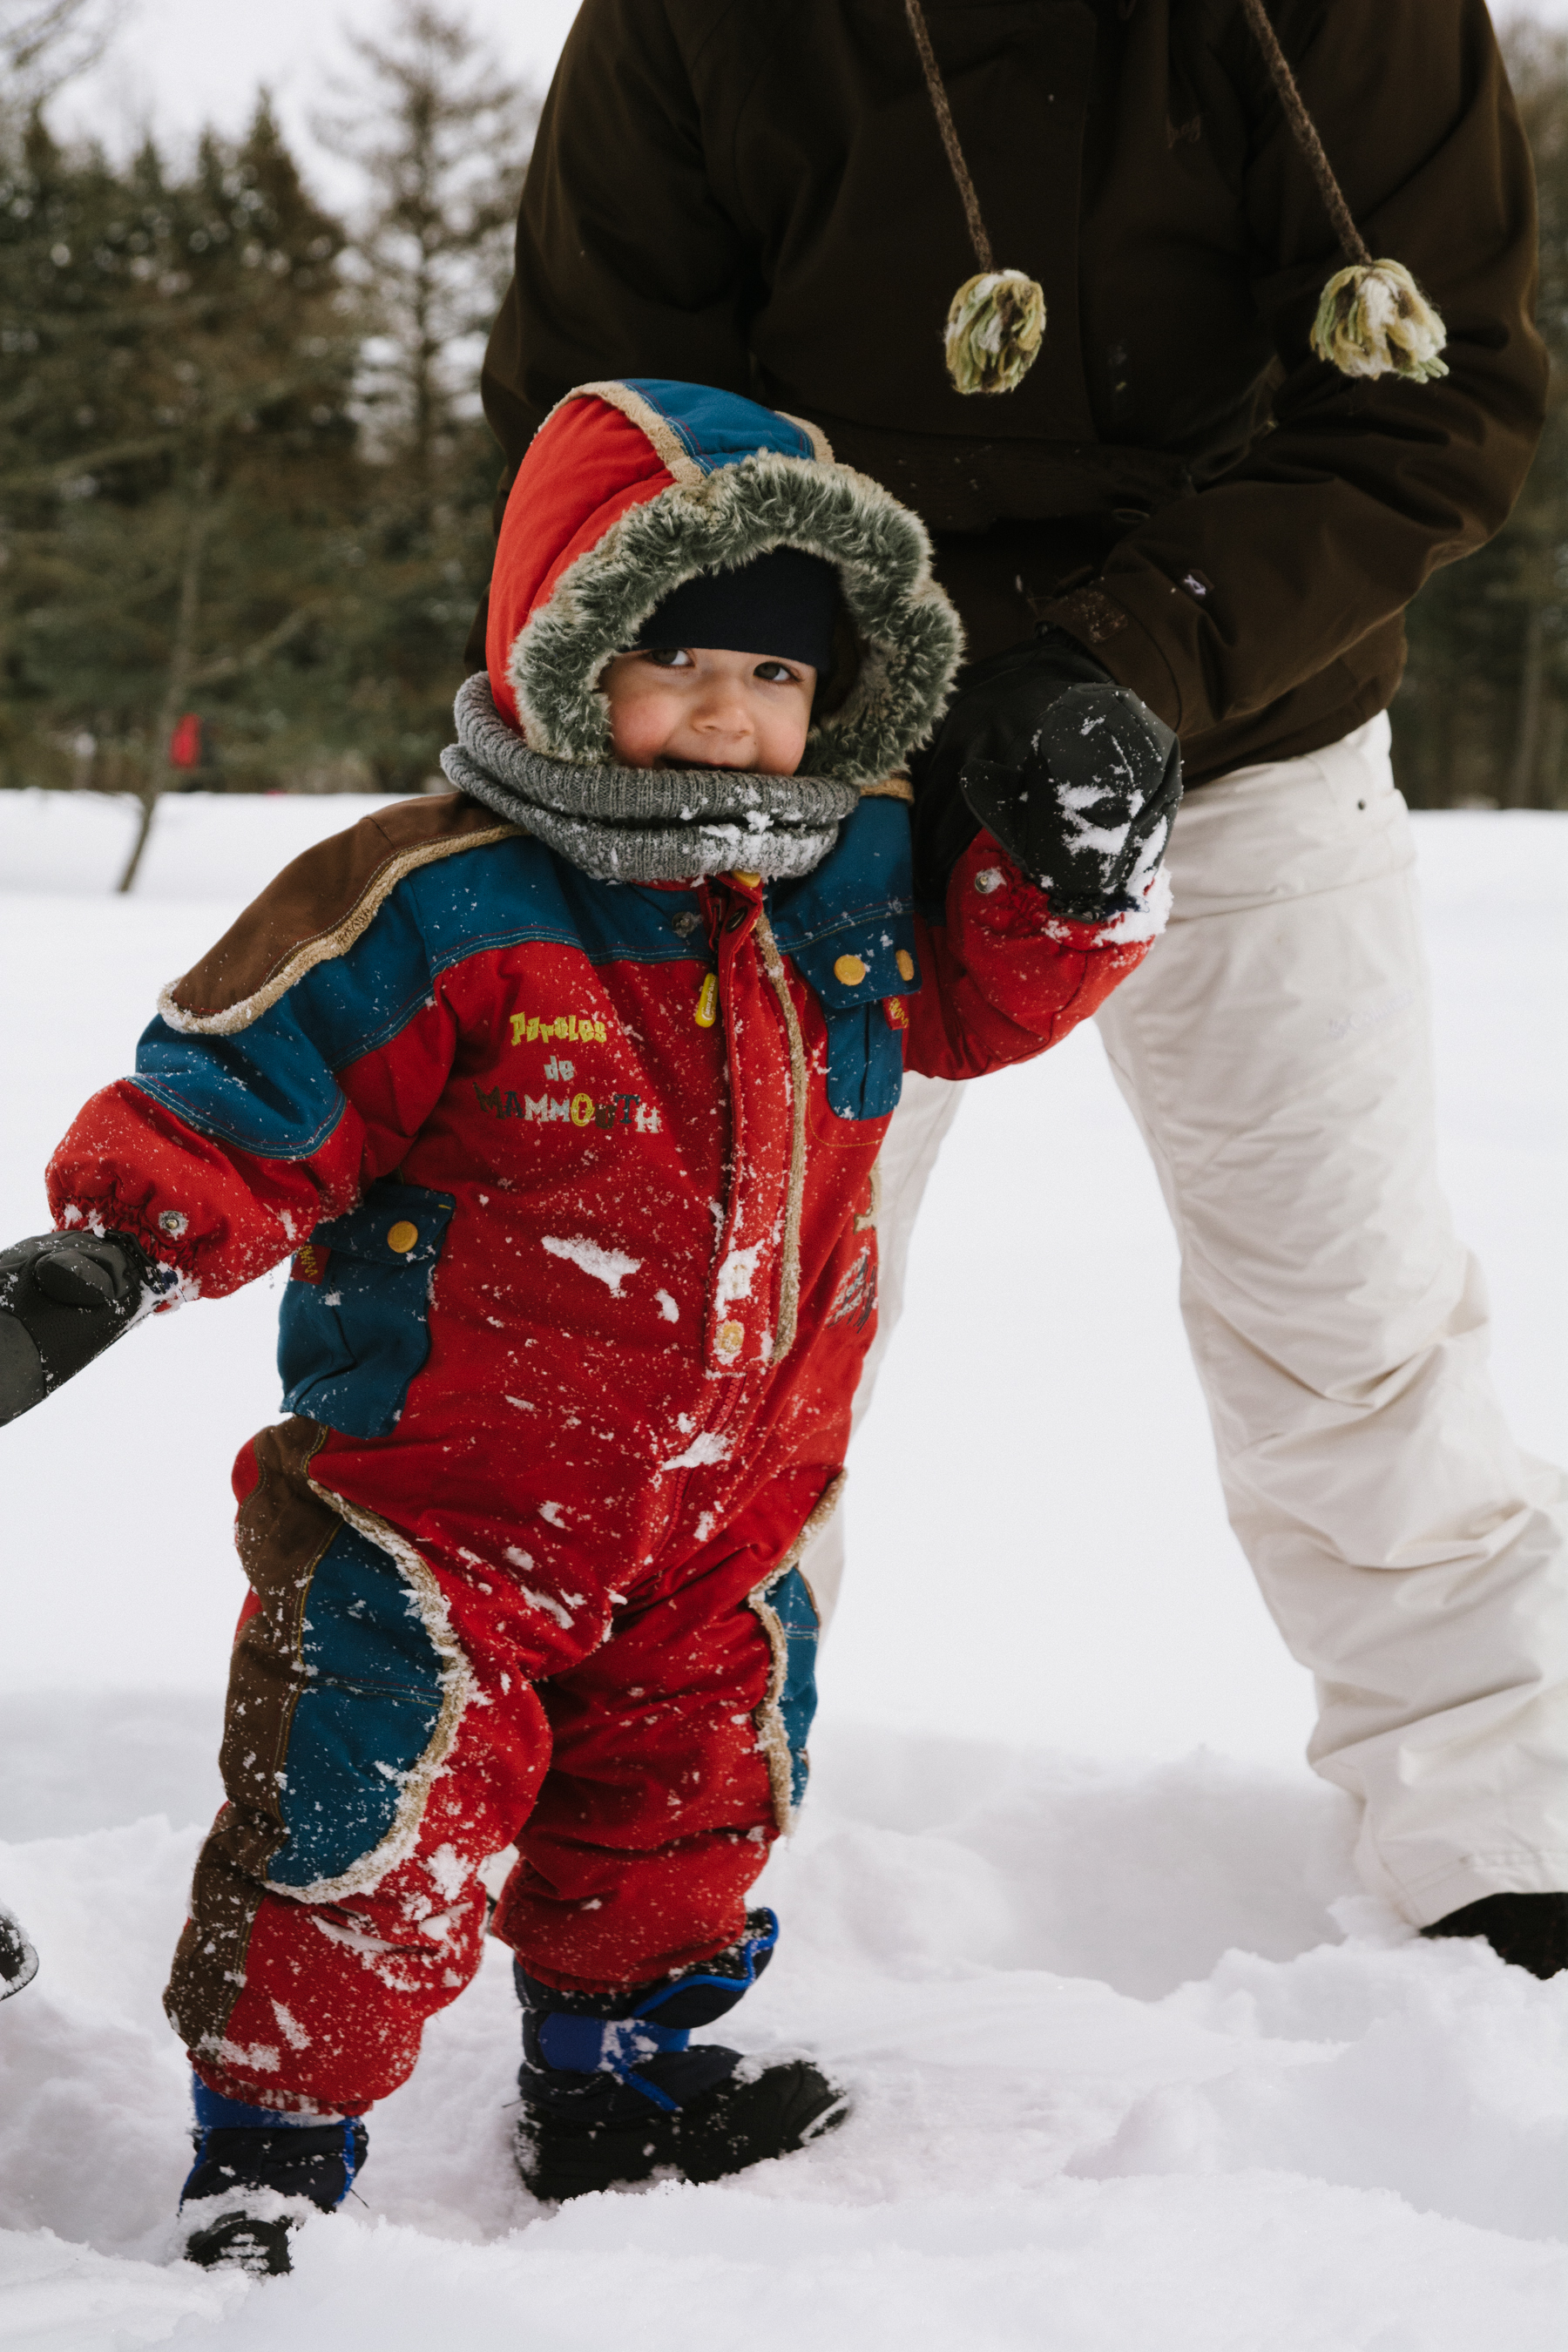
912 640
644 824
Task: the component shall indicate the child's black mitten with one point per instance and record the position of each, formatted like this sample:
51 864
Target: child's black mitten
64 1297
1074 777
18 1961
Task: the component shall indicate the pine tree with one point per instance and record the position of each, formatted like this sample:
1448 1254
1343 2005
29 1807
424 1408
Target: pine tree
244 471
1482 716
177 455
442 141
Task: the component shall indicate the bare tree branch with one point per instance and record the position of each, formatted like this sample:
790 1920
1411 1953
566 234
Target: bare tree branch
236 664
44 43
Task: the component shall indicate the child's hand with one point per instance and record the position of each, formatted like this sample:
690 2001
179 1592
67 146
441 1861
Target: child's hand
64 1297
1074 777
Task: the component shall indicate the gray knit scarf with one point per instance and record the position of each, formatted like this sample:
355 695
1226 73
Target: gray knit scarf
644 824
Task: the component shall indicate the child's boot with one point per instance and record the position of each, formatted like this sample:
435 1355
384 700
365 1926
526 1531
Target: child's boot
611 2093
260 2175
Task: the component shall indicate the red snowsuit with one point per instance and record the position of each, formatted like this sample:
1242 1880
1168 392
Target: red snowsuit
578 1182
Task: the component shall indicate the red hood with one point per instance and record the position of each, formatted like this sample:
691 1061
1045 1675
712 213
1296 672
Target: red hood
628 489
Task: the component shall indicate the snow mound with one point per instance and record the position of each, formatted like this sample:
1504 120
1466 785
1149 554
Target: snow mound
203 845
1133 2065
1136 2068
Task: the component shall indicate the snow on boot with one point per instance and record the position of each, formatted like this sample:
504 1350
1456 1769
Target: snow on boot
612 2093
18 1961
258 2176
1531 1931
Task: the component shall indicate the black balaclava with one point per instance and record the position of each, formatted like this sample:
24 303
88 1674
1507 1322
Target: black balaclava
783 603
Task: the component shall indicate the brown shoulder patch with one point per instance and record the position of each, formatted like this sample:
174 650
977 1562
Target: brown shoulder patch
318 907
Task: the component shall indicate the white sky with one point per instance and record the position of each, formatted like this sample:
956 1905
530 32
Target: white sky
178 64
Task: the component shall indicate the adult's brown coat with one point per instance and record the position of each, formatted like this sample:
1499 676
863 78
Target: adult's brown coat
753 193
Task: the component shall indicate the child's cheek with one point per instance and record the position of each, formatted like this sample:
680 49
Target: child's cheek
781 747
640 726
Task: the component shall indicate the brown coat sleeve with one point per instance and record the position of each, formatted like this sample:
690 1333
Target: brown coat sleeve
1302 559
626 263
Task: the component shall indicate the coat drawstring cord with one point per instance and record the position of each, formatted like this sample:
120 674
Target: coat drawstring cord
1372 319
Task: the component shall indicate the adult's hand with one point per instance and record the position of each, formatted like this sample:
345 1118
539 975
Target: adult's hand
64 1297
1074 777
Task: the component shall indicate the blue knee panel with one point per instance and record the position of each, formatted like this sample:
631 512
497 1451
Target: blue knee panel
790 1599
367 1713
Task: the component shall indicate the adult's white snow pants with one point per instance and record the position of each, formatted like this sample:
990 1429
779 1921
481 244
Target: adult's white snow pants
1275 1051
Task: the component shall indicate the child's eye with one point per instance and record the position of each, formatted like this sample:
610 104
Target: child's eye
669 657
776 673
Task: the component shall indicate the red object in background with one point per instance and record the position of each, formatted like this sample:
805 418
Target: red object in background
185 742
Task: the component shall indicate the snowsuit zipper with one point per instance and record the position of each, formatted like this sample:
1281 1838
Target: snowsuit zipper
755 1296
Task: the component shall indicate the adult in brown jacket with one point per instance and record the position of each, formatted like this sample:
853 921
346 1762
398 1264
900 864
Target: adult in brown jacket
753 193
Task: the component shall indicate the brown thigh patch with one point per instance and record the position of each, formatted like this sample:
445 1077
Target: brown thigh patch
281 1532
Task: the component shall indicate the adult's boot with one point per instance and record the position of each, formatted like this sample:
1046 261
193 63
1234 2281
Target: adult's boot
1529 1931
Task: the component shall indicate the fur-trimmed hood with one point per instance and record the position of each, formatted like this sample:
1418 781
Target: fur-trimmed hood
630 487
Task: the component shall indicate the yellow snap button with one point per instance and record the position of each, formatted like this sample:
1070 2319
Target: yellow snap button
906 964
730 1339
401 1237
850 970
747 881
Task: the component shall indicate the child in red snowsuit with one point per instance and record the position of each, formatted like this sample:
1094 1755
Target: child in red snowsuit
565 1095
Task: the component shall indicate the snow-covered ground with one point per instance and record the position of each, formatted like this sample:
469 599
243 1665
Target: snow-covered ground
1138 2068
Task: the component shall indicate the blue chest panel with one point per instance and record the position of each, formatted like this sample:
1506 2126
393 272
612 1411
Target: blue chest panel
270 1089
845 928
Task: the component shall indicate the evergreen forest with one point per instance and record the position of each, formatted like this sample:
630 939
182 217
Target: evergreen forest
245 481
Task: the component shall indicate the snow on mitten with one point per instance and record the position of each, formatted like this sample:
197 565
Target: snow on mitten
1071 774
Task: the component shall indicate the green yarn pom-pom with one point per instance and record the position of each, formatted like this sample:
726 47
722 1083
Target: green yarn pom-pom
1374 320
995 329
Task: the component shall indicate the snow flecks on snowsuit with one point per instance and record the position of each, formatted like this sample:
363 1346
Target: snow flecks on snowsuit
336 1905
577 1182
519 1547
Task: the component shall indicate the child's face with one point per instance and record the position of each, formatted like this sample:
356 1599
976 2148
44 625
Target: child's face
697 708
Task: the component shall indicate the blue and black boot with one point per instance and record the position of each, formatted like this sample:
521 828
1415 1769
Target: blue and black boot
613 2093
262 2174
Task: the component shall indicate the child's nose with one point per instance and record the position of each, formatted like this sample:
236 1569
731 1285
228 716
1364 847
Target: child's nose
724 707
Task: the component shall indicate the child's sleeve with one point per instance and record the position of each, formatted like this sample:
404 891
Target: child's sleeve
290 1068
1003 978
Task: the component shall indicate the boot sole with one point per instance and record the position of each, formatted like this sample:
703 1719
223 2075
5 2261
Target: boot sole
237 2241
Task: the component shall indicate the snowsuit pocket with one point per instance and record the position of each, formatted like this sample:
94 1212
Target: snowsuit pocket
355 1326
861 990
